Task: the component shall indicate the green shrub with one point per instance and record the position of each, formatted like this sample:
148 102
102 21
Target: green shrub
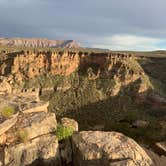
7 111
63 133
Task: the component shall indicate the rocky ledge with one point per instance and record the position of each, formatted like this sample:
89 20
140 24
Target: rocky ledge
26 135
31 138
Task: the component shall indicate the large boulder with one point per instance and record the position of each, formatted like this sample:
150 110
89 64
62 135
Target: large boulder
37 124
96 148
42 148
28 137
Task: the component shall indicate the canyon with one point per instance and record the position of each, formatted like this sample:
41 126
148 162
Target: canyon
106 92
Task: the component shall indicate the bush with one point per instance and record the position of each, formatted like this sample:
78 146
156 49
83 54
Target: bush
22 135
7 112
63 133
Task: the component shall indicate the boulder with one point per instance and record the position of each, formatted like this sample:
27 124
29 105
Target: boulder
36 107
38 124
5 87
96 148
43 148
162 145
7 124
140 123
67 122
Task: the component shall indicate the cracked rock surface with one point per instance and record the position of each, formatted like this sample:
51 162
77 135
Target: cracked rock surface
95 148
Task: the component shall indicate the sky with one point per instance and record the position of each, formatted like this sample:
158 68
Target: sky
110 24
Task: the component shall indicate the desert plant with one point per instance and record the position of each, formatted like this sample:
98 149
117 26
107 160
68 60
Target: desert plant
7 111
22 135
63 133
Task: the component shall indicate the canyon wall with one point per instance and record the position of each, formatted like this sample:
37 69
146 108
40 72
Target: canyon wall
25 65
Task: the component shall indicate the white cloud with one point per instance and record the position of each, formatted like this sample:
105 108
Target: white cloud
129 42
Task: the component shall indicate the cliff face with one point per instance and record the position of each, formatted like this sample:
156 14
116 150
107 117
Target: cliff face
23 67
28 65
34 42
71 80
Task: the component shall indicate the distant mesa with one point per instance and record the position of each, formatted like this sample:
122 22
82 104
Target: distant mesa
35 42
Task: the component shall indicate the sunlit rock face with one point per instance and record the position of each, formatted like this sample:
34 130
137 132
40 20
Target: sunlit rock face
95 148
21 66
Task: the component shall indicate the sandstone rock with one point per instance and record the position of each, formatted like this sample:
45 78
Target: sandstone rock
38 107
3 138
24 102
7 124
67 122
5 87
92 148
43 148
38 124
140 123
162 145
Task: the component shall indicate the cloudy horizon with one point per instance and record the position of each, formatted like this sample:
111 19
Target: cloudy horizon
110 24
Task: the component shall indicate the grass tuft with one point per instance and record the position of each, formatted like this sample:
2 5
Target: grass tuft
7 111
22 135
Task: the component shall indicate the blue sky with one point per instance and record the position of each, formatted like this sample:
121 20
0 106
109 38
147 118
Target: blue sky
112 24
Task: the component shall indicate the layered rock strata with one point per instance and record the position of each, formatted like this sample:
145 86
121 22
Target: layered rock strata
28 136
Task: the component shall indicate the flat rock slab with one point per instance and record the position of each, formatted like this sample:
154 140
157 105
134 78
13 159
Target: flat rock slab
24 103
38 124
30 126
162 145
7 124
96 148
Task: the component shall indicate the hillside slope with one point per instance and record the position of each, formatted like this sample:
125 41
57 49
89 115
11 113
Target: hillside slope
34 42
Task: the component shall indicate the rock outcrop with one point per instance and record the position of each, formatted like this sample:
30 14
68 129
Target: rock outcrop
96 148
25 65
29 139
34 42
162 146
44 148
28 136
70 80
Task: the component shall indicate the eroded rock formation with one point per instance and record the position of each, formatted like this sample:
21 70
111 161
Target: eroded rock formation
27 136
21 66
95 148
